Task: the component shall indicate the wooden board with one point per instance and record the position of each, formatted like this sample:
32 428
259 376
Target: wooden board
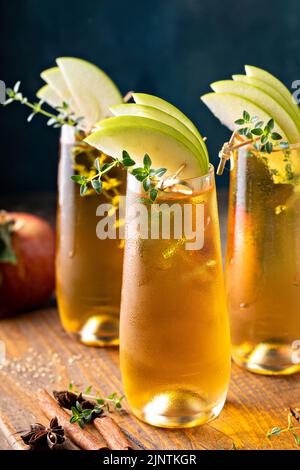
40 354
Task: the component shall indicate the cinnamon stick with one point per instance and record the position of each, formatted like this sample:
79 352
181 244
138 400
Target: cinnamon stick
83 438
112 433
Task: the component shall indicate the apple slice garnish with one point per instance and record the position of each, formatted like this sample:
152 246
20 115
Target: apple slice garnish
264 101
160 116
54 78
270 90
91 89
159 103
49 96
268 78
228 107
139 135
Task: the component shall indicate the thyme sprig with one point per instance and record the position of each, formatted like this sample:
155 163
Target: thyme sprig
148 176
64 114
291 429
86 407
262 135
256 133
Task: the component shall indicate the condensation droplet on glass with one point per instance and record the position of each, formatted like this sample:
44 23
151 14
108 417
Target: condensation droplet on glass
279 209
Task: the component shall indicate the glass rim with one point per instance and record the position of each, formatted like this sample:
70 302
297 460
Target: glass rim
68 137
209 174
192 185
246 148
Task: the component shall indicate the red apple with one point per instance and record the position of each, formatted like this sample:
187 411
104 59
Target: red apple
27 247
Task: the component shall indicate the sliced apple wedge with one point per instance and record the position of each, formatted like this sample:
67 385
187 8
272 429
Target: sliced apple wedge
228 107
289 107
268 78
49 96
54 78
159 103
264 101
158 115
139 135
91 89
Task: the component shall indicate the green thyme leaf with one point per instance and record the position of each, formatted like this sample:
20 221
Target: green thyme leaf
296 438
246 116
153 194
127 160
275 136
146 184
97 185
275 431
147 162
98 164
160 172
270 124
83 189
256 131
269 147
264 139
78 179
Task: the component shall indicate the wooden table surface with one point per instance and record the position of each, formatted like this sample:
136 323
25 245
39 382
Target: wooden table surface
40 354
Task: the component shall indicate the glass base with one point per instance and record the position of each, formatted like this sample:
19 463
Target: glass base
100 330
179 409
266 358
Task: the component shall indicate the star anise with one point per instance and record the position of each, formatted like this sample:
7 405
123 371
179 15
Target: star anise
68 400
41 438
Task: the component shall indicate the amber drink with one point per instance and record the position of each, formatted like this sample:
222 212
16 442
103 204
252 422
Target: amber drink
263 261
174 334
88 269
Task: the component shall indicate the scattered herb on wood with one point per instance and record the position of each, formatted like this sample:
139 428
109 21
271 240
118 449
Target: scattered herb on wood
294 413
85 407
81 437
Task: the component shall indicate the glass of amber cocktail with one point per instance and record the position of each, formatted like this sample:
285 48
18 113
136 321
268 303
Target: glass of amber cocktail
174 334
263 260
88 269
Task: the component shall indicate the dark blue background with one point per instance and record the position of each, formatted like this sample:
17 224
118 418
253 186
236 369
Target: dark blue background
171 48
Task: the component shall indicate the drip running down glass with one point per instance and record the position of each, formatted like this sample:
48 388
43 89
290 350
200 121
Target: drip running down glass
263 261
174 333
88 270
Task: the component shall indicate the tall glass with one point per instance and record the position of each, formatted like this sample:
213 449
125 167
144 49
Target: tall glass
174 334
263 261
88 269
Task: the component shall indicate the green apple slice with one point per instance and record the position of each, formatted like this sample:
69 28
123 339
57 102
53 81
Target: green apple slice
158 115
228 107
91 89
49 96
267 77
264 101
159 103
139 135
289 107
54 78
